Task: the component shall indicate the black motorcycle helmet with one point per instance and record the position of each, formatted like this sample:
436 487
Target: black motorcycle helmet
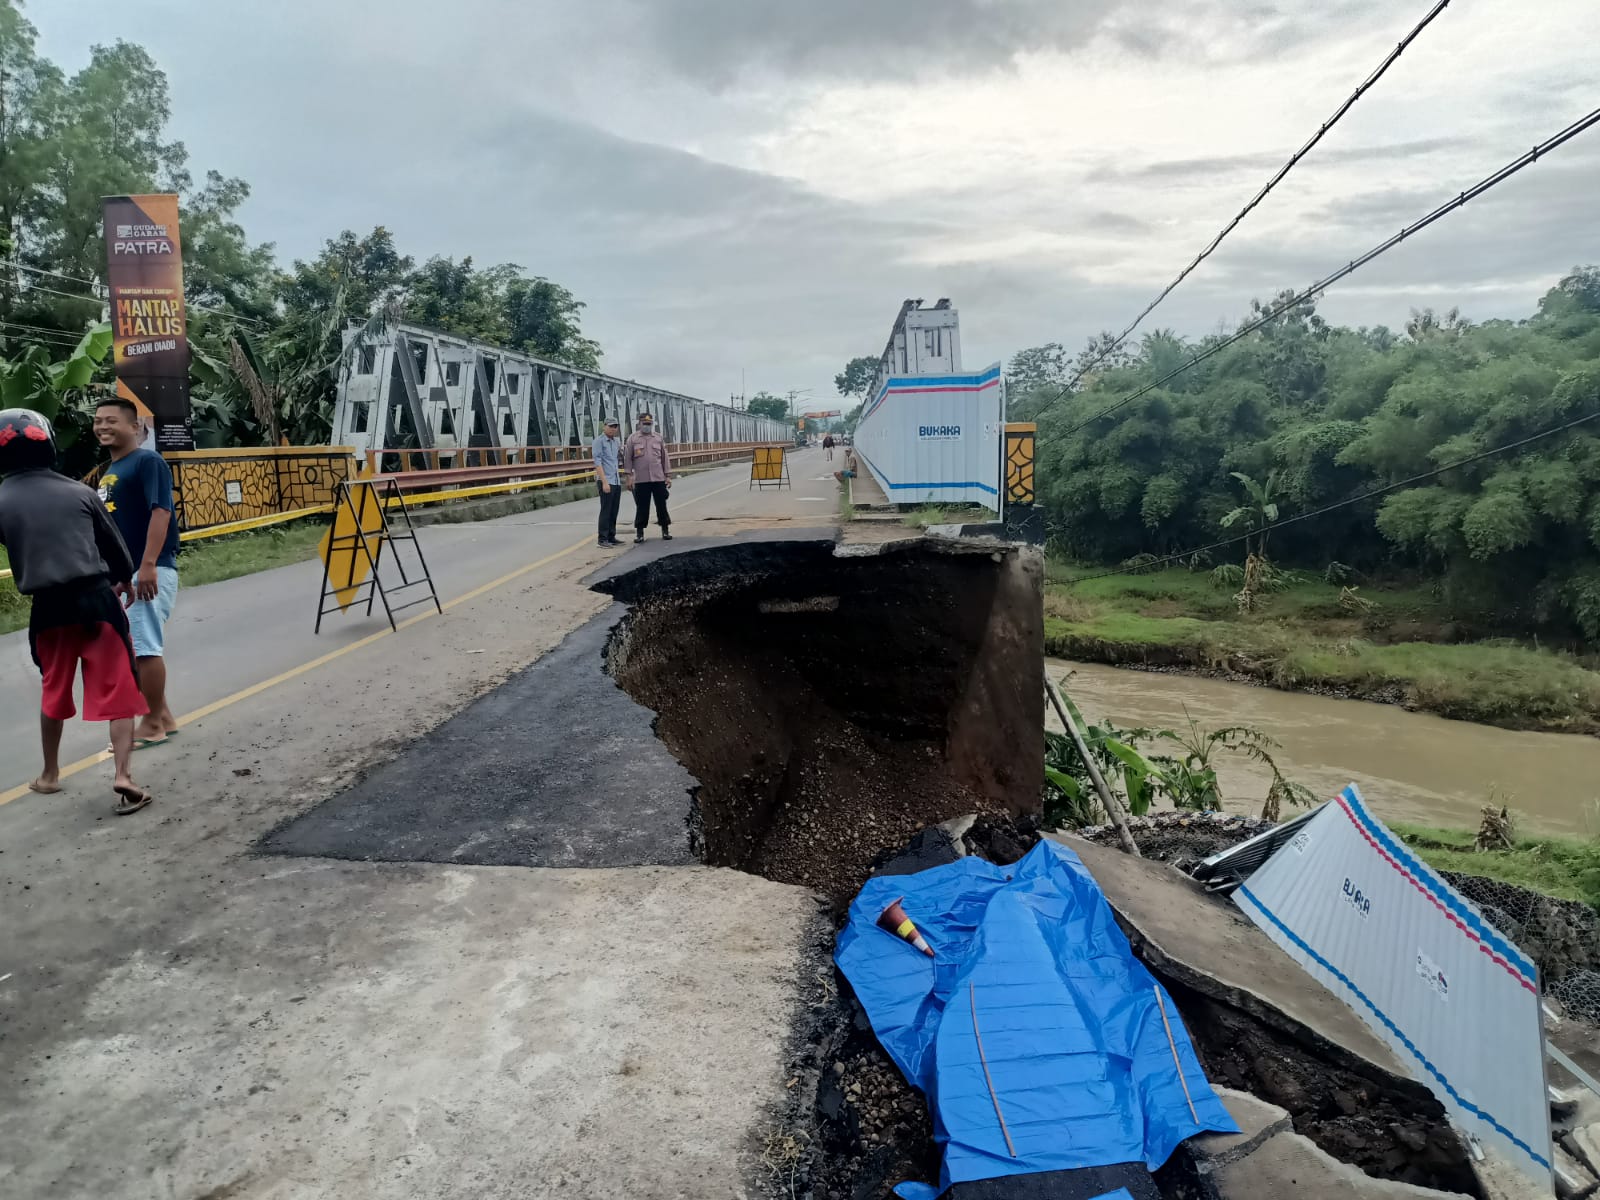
26 441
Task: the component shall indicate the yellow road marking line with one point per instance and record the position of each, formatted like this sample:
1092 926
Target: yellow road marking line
490 489
256 689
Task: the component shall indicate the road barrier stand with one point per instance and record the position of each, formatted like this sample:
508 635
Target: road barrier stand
769 465
352 550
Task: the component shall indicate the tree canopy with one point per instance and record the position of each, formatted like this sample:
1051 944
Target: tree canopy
765 404
1326 413
65 142
853 382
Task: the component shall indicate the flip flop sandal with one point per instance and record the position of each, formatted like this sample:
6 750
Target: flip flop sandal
133 799
140 743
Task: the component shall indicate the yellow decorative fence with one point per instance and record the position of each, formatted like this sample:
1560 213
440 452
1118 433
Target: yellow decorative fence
219 487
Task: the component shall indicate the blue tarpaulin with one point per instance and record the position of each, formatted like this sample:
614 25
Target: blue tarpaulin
1080 1066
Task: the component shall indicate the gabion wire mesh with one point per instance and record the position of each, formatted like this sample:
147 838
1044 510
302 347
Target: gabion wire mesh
1561 936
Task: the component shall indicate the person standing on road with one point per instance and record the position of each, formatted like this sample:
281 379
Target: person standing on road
650 471
67 555
607 463
827 444
137 490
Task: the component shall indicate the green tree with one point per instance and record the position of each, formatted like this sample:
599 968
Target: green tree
765 404
109 128
544 320
852 382
1322 414
221 269
1037 368
28 86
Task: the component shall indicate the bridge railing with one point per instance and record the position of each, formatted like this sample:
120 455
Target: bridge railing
397 463
395 460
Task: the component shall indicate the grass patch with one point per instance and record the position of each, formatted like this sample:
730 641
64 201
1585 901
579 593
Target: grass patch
1493 681
1564 867
13 608
928 514
215 559
1302 638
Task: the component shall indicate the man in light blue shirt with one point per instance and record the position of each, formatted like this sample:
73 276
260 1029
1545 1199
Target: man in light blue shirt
607 459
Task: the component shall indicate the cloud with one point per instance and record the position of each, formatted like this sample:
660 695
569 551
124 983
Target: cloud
730 184
721 41
1265 163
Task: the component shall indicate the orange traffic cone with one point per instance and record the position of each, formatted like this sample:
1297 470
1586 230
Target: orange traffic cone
894 919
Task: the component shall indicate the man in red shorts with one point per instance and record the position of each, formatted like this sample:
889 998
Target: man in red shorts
67 555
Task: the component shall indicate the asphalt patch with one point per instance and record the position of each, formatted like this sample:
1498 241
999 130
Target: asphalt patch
557 767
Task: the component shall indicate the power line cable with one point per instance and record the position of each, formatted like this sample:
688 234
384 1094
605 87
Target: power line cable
1294 159
1272 314
9 262
1345 503
41 333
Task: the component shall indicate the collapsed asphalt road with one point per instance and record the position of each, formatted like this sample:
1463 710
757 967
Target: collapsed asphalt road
181 1016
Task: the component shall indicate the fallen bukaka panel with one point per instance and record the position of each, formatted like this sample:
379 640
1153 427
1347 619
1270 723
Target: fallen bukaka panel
1454 998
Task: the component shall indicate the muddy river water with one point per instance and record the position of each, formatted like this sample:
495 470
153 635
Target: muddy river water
1410 766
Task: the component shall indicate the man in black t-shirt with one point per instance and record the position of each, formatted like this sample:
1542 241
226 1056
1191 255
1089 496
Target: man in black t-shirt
68 558
137 490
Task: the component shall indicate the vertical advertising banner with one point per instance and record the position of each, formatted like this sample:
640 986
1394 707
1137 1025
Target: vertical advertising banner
144 271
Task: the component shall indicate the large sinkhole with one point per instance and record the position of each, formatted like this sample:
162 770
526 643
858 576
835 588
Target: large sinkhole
831 706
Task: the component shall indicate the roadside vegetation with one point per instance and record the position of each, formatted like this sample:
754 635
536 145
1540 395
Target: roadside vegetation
1366 640
1565 867
1174 766
1498 558
1302 415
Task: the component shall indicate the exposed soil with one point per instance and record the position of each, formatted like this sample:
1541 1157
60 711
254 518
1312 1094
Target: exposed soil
830 706
1386 1134
831 709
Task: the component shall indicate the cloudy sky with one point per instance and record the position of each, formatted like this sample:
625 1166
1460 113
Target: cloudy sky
744 184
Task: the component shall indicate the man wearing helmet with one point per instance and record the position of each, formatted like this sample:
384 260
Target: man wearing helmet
67 555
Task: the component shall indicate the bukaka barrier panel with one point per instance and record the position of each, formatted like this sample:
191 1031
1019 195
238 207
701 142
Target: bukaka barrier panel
935 439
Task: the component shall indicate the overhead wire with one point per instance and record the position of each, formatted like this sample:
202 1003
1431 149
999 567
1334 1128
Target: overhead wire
41 333
1261 195
21 266
1370 494
1517 164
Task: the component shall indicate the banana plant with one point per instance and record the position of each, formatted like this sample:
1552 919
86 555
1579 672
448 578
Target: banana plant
32 380
1258 515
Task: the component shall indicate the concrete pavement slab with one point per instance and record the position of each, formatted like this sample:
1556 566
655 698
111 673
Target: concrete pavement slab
1290 1165
1204 942
346 1030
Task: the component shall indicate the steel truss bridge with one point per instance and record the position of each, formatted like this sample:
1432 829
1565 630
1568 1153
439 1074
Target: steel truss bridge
418 388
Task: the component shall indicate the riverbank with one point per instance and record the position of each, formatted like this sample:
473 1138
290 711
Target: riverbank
1393 646
1564 867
